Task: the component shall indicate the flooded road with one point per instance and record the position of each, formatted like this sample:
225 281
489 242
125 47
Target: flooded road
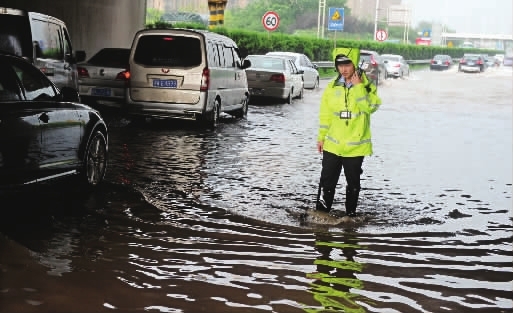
193 220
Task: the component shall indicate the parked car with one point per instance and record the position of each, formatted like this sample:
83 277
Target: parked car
508 60
372 63
186 74
274 77
472 63
395 65
103 78
43 40
45 133
441 62
311 75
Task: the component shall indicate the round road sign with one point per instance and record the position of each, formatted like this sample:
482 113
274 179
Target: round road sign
270 20
381 35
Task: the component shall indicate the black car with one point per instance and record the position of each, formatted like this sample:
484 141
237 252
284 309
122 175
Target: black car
472 63
440 62
45 133
372 64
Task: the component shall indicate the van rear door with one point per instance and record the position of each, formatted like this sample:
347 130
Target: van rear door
167 67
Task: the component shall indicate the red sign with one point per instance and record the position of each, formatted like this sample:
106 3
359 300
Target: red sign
423 41
381 35
270 20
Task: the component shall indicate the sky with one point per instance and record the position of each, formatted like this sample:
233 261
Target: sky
465 16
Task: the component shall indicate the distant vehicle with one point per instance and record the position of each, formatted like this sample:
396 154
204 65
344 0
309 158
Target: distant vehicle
472 63
372 63
440 62
311 75
395 65
45 133
467 44
103 78
274 77
508 61
186 74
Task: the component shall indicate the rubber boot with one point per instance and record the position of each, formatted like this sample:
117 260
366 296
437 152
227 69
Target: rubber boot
326 200
352 195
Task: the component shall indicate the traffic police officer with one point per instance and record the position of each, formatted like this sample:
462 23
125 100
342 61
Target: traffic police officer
344 136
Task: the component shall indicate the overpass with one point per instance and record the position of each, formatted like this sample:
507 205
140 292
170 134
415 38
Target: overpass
487 41
92 24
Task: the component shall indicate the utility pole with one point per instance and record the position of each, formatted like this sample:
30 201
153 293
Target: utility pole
322 11
376 20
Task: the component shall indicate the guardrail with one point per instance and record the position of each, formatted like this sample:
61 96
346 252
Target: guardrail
330 64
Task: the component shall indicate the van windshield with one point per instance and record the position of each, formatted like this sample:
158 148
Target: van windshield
15 35
168 50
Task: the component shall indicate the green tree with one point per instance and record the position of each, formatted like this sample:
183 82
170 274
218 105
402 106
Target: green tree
153 15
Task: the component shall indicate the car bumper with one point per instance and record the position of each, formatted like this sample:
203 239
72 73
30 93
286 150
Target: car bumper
279 93
465 68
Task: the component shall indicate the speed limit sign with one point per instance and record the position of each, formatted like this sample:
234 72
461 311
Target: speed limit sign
270 20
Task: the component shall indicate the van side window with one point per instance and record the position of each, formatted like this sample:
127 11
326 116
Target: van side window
49 38
213 57
222 58
67 44
228 55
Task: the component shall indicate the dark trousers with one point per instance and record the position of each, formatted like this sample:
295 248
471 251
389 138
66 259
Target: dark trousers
332 168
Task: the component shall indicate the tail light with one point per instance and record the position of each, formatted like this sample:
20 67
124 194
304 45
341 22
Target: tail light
462 61
82 72
373 61
479 62
447 63
124 75
397 65
279 78
205 79
432 61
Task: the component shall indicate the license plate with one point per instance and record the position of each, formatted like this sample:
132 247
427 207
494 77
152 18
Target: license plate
165 83
470 63
105 92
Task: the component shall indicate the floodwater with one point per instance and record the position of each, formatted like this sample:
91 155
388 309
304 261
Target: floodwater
192 220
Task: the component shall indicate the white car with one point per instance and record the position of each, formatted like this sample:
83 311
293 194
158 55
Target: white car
311 75
274 77
395 65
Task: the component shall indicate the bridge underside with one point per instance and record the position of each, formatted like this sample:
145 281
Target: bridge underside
93 24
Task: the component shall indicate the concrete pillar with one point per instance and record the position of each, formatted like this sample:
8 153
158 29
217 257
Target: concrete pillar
93 24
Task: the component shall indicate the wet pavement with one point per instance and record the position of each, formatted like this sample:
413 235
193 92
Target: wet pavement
193 220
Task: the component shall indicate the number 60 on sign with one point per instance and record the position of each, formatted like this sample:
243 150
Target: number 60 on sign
270 20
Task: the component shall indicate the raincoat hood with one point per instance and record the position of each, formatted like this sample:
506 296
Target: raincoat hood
351 53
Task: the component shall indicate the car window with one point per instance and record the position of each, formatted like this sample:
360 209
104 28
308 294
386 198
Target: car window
36 85
110 57
168 50
9 89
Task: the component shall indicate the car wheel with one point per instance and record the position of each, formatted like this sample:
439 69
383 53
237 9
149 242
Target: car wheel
288 100
95 160
211 119
316 84
242 112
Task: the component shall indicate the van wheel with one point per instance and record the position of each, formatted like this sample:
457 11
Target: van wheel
95 160
212 119
242 112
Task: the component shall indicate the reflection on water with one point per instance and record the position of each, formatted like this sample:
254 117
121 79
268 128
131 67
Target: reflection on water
201 221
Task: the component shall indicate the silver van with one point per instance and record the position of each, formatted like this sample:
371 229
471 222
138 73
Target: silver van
43 40
186 74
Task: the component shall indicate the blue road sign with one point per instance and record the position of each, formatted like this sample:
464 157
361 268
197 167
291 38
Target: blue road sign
336 19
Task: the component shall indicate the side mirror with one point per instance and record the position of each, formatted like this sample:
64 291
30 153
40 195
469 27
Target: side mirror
69 94
245 64
315 66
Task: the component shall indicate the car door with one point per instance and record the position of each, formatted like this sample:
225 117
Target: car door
59 122
20 134
310 73
296 78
